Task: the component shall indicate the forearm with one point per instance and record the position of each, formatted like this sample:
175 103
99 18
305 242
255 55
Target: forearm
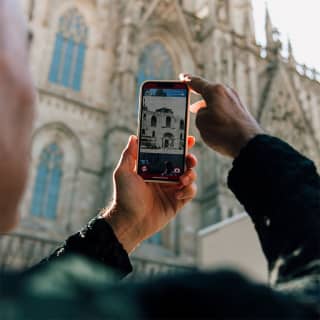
97 242
127 233
280 190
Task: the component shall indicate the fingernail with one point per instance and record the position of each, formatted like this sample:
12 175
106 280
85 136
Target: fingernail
185 77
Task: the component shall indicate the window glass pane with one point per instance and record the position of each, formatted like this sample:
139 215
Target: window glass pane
54 70
53 193
48 182
67 63
69 52
39 188
77 79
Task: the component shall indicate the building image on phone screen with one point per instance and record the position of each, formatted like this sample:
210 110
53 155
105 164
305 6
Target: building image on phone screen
163 121
162 134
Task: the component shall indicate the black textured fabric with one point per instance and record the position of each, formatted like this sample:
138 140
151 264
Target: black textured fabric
280 189
96 241
216 295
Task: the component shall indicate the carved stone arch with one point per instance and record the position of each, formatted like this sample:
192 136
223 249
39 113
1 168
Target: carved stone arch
116 139
70 146
284 117
64 136
87 10
175 45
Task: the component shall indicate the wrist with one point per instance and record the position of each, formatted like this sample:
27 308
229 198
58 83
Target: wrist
244 140
126 232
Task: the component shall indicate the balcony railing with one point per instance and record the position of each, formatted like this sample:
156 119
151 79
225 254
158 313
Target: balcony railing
19 251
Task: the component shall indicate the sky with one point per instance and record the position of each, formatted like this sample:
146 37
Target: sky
297 19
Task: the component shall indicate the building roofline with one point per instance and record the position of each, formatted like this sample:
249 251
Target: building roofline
218 226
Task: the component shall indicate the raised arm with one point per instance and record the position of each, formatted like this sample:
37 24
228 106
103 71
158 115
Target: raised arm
279 188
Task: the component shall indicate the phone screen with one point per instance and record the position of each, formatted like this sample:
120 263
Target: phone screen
163 130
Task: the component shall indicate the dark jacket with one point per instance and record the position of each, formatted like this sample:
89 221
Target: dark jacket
280 190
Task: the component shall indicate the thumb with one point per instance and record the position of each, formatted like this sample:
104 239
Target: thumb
129 155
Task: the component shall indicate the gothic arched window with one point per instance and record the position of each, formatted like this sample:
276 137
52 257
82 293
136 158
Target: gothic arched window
168 122
153 121
47 184
155 63
69 51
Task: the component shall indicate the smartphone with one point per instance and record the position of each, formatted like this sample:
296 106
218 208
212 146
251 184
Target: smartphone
163 130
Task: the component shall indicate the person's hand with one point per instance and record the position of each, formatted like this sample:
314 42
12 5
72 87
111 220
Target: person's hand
225 124
141 209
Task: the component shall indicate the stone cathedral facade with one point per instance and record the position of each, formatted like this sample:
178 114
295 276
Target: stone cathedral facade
88 58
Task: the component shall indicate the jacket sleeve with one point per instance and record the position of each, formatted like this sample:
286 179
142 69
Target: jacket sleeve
280 190
97 242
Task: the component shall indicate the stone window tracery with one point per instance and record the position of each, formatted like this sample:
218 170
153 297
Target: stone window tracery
48 182
69 51
155 63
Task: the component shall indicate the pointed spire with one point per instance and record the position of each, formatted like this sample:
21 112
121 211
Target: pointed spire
290 50
274 44
291 58
268 28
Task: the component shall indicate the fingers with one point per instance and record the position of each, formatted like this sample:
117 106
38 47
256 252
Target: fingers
191 161
188 178
187 193
191 141
186 78
195 107
198 85
129 155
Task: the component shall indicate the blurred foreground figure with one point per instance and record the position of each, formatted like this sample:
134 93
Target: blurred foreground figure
279 188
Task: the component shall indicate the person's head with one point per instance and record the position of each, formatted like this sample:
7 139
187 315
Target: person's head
16 118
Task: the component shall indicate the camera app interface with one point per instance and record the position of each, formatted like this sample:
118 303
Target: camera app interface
163 132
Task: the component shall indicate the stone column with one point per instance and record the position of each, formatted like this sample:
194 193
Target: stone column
124 82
